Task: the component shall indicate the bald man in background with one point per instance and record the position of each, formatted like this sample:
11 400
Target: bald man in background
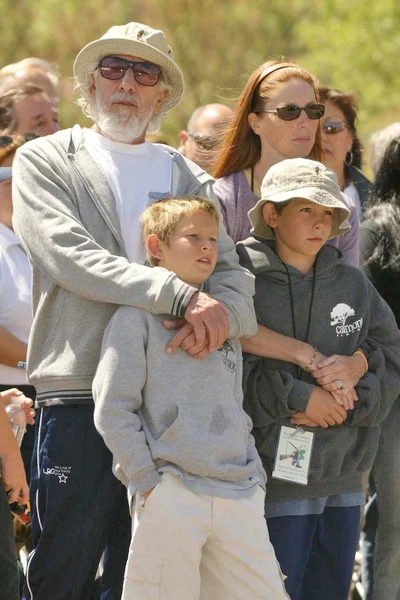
32 70
204 130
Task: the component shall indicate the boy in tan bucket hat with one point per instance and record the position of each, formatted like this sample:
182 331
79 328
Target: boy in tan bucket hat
314 444
78 196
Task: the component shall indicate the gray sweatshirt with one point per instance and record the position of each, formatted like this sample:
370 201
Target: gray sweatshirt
66 218
155 409
347 313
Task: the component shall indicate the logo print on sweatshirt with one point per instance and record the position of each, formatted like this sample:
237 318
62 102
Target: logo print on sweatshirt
339 316
61 472
226 349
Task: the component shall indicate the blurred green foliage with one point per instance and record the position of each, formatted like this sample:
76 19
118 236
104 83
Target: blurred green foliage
349 44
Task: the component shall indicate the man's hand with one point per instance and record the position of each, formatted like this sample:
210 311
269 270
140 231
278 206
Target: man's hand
14 478
323 409
206 328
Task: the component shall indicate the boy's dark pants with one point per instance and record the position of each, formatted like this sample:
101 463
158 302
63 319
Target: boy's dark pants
79 509
316 552
9 576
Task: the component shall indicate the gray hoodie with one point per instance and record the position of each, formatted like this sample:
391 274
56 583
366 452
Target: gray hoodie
66 218
347 313
155 409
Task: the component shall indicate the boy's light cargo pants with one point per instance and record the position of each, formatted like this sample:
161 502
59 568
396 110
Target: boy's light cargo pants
190 546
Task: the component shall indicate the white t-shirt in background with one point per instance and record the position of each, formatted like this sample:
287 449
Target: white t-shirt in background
138 174
15 298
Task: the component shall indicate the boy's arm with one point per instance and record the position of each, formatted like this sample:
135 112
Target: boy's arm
12 467
272 395
117 393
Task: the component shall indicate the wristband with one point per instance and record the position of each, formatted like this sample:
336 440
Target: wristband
308 367
361 353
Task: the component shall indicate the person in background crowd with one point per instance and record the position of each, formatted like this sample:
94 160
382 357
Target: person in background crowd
380 251
32 70
28 109
379 142
277 116
341 145
13 488
15 293
204 132
77 198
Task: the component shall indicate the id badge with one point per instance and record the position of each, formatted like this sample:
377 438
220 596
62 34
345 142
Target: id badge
293 455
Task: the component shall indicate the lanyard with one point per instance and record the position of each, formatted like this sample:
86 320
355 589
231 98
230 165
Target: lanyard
291 297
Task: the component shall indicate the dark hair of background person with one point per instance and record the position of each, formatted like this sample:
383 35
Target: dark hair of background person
241 147
9 99
384 209
347 103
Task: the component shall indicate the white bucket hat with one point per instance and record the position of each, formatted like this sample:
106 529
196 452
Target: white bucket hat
300 178
138 40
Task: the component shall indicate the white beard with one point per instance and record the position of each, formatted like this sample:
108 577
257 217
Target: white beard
123 124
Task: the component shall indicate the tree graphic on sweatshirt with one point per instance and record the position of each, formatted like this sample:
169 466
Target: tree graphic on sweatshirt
340 313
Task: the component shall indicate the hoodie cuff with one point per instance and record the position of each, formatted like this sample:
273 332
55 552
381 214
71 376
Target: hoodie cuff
146 480
182 299
300 395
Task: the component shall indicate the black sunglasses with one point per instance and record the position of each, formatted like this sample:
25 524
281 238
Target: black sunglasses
332 127
8 140
290 112
115 67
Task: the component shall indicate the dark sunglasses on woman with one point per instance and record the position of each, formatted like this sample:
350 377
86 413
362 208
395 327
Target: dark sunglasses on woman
115 67
331 127
290 112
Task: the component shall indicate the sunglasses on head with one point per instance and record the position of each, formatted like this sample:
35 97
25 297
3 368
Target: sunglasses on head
208 142
8 140
290 112
115 67
332 127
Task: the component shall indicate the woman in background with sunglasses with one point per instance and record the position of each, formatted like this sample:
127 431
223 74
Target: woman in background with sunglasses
342 148
277 116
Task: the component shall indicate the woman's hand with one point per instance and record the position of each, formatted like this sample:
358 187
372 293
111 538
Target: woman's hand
15 396
334 370
14 478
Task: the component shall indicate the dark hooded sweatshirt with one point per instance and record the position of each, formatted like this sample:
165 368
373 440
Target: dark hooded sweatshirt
347 313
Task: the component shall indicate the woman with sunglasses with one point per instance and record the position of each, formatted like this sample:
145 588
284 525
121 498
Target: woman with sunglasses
342 148
277 116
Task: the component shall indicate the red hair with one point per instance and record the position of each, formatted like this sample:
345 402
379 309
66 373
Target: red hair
241 147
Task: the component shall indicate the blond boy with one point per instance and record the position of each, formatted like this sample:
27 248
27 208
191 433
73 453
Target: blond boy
181 440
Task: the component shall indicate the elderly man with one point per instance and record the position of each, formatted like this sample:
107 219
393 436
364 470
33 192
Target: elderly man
28 109
204 130
78 198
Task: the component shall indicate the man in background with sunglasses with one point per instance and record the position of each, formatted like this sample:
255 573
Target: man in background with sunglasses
78 198
204 131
